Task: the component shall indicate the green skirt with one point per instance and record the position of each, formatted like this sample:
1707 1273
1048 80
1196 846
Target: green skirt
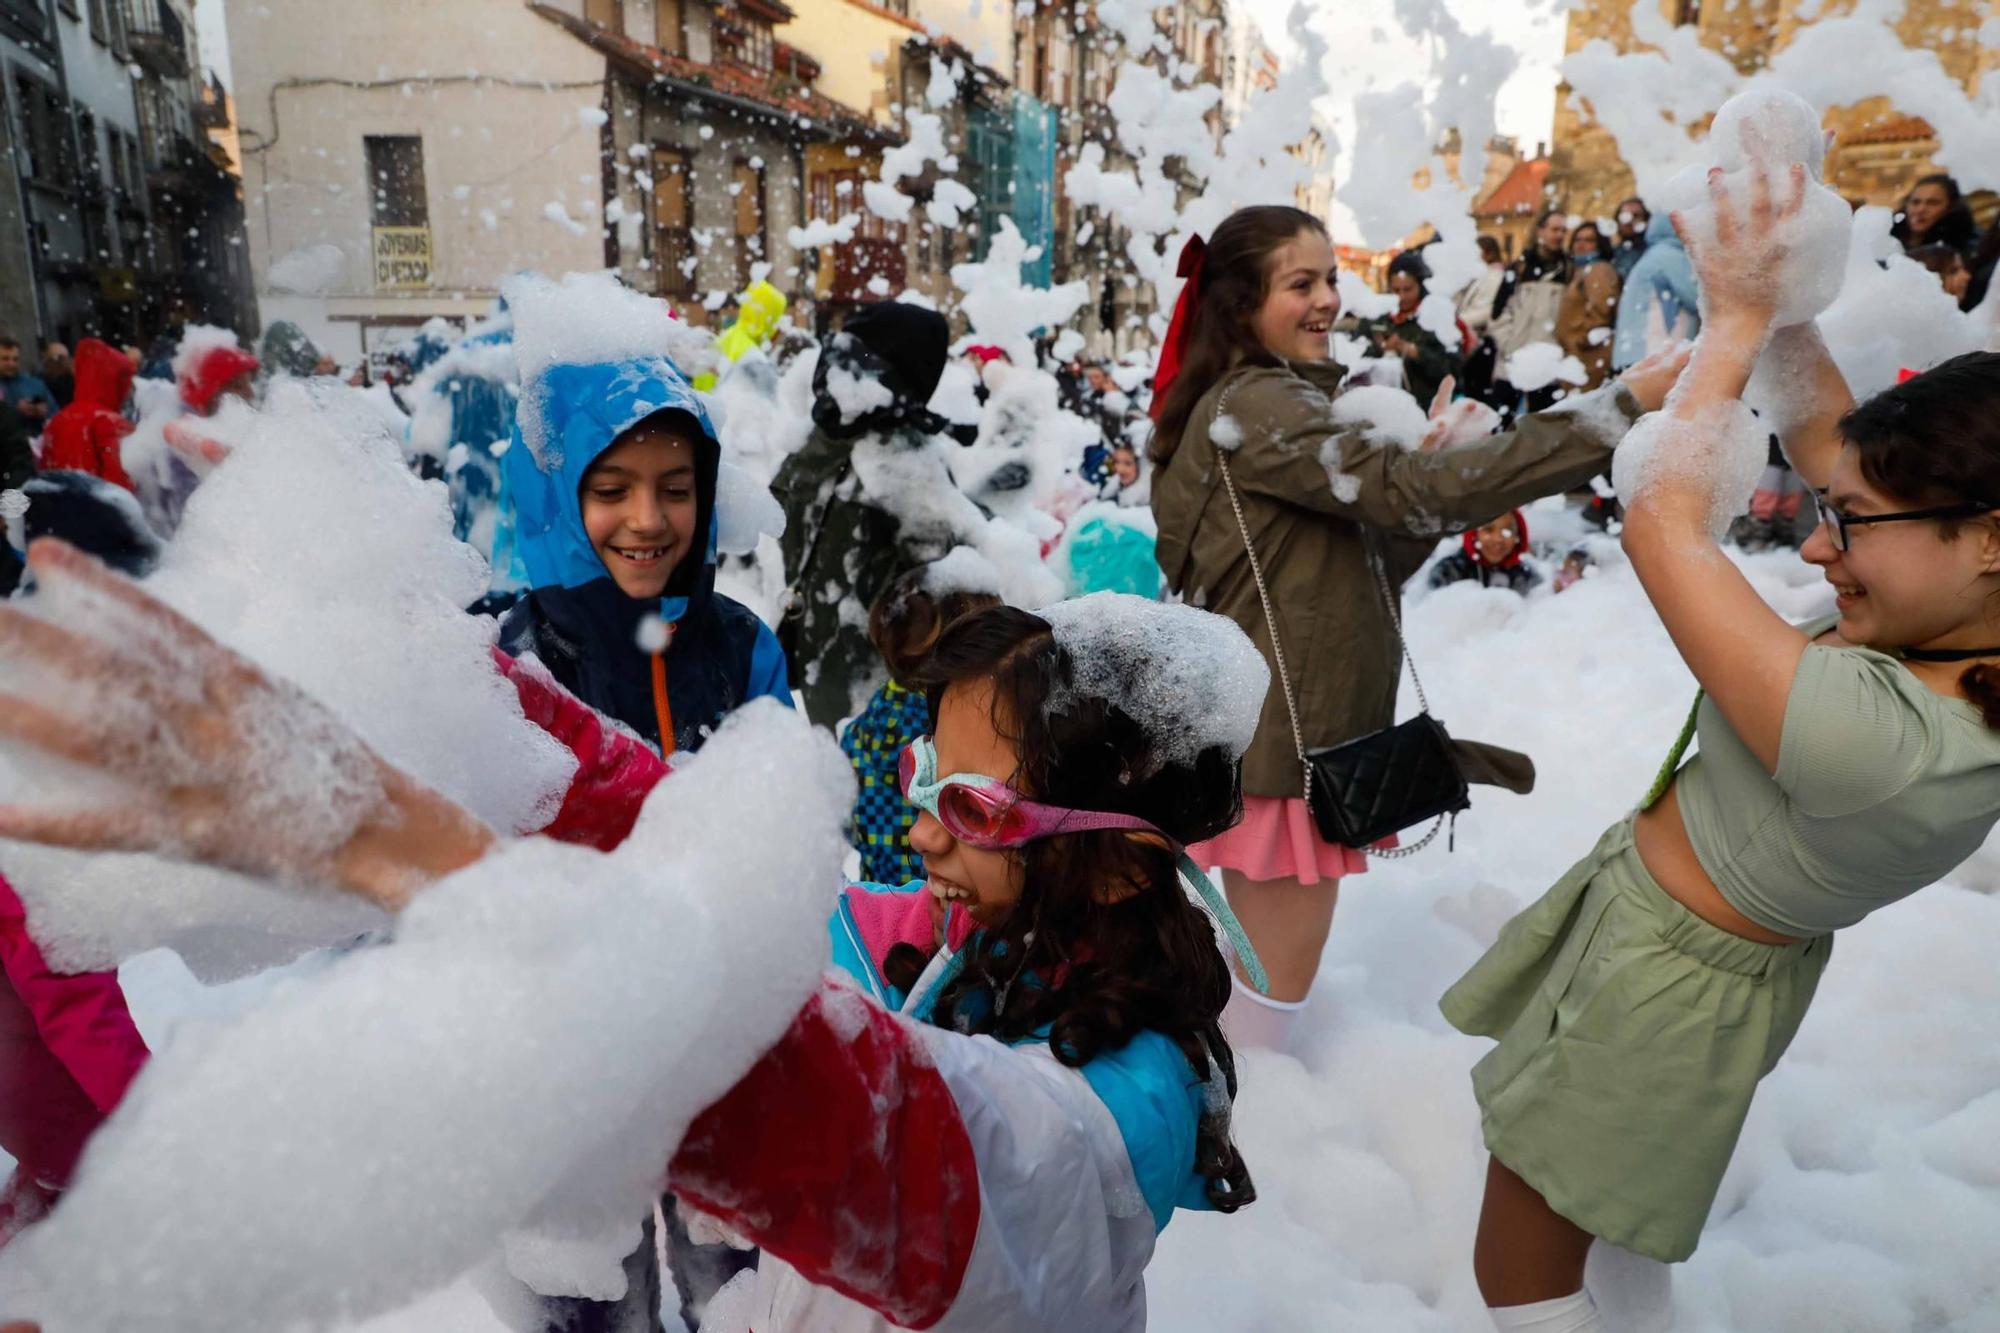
1632 1036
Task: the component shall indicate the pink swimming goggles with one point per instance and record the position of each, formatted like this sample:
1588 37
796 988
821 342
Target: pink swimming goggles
985 812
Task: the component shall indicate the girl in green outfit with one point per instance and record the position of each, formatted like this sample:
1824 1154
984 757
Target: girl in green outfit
1842 765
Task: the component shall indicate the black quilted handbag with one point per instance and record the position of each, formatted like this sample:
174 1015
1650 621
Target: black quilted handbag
1374 786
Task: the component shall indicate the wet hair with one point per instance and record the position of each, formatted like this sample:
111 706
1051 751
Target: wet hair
1933 441
1235 278
908 619
1096 974
1939 259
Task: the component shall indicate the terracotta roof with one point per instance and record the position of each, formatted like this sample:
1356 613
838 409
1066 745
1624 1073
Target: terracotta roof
1892 128
1520 192
724 83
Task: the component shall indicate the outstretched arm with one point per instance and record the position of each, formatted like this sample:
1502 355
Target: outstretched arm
1743 653
218 754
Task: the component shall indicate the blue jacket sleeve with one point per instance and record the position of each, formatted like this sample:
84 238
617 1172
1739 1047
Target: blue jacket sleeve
768 676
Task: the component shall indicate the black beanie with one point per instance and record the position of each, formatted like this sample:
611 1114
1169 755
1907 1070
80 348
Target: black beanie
93 515
912 341
903 347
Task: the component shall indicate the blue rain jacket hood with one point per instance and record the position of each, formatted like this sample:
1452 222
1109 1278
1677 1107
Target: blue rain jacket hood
576 619
1662 281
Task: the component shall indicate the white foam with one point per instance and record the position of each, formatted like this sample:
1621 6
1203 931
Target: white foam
1191 679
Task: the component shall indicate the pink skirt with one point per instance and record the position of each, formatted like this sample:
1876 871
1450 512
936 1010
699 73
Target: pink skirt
1277 840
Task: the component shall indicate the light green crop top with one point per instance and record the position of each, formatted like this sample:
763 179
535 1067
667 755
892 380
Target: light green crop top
1883 787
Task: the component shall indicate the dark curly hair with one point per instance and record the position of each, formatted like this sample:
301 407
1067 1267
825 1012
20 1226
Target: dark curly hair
1096 973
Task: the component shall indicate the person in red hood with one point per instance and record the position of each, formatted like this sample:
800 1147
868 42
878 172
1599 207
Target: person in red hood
86 435
1492 556
219 372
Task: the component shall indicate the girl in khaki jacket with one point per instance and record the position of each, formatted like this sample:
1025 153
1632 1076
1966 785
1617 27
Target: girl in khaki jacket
1248 367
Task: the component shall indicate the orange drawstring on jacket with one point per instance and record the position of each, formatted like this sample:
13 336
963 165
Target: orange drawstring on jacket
663 712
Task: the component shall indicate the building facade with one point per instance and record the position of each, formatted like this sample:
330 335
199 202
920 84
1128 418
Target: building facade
1878 153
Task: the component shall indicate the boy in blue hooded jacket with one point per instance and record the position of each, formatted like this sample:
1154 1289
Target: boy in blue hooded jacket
613 471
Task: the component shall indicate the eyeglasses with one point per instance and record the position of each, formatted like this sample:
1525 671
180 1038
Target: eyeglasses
986 812
1837 523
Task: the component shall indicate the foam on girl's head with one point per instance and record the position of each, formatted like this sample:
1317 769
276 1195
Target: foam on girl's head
915 610
1192 680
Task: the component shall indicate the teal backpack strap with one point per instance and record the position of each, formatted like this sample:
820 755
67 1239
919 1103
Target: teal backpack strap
1673 764
1218 907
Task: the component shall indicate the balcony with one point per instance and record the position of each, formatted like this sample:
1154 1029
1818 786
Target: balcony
157 38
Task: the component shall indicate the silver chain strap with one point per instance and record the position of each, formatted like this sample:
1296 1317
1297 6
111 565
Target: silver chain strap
1284 675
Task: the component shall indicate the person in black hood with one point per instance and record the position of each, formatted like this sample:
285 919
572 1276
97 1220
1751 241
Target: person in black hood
850 531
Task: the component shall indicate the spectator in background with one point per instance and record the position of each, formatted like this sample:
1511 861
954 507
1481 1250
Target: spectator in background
1127 484
87 435
1984 260
25 393
1475 312
1426 359
58 372
224 371
1953 273
1634 222
1531 296
1587 318
1934 212
1660 301
1492 556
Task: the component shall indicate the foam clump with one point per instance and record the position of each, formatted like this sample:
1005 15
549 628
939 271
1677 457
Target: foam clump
1383 413
313 552
1191 679
1767 132
1723 451
508 1075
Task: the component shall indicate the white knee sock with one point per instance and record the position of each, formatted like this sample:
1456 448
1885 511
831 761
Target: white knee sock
1250 1019
1565 1314
1636 1294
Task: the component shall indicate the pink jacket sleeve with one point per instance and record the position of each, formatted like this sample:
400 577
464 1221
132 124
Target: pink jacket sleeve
615 770
68 1051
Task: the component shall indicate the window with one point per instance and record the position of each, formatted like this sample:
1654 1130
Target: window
1061 67
606 14
93 157
673 238
750 244
1687 12
396 180
669 31
744 38
28 23
45 132
100 22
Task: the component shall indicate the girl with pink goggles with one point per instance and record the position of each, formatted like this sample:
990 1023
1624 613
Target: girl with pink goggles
985 812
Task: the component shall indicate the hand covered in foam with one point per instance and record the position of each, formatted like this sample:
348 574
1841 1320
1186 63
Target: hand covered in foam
212 760
1763 231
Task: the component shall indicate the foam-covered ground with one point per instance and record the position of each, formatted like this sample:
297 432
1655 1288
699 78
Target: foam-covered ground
1865 1196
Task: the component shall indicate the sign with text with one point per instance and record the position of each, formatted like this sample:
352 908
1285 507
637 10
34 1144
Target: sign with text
402 259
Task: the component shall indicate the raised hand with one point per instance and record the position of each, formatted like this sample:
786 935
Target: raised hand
224 764
1652 378
1739 266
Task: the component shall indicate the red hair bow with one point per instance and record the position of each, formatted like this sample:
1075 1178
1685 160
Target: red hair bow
1193 255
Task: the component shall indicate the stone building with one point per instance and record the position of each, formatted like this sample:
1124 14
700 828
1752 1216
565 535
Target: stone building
97 234
715 146
1878 152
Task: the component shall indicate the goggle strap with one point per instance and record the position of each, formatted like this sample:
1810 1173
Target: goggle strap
1232 929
